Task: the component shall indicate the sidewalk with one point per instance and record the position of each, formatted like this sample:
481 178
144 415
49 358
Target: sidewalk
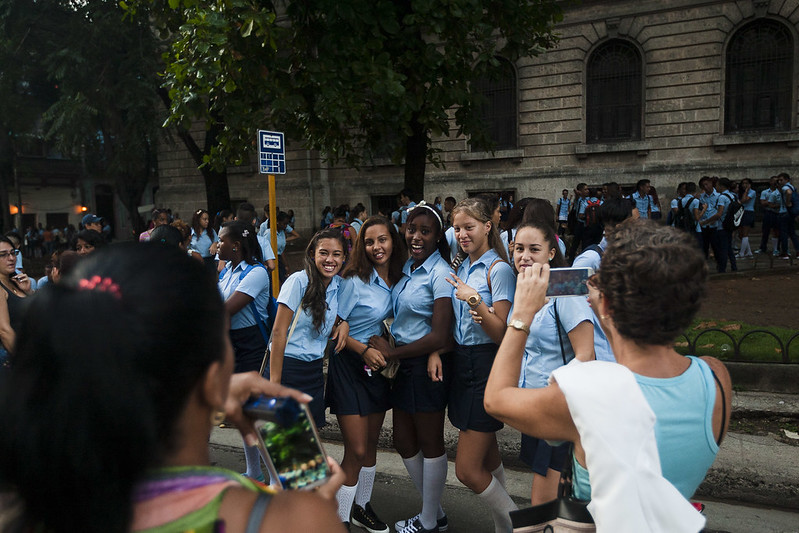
749 468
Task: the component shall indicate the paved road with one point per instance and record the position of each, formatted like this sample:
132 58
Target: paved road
395 497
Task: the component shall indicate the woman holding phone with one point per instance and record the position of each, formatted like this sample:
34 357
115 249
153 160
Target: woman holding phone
483 285
422 305
357 393
129 406
561 331
16 287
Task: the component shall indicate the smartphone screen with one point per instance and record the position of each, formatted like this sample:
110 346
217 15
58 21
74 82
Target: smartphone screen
290 444
568 282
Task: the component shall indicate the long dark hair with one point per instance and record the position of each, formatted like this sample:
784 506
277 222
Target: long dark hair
197 227
220 217
245 235
558 261
360 265
94 407
441 245
315 298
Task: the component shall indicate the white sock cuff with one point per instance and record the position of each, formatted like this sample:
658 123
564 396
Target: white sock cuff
344 496
366 481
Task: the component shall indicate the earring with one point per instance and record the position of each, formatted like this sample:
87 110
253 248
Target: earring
603 317
550 259
235 249
217 418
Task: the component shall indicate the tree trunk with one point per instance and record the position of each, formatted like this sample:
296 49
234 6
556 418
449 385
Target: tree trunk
416 159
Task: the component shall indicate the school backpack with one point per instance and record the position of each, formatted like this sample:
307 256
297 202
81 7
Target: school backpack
733 213
684 218
794 208
592 212
271 307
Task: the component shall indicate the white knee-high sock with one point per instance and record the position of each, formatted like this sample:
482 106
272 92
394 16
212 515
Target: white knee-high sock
774 243
253 459
415 467
745 248
500 504
344 496
499 473
366 481
434 479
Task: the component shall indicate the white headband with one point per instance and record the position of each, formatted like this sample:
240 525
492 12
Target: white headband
429 208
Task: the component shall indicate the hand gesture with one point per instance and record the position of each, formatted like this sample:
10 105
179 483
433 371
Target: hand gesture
374 359
462 291
531 290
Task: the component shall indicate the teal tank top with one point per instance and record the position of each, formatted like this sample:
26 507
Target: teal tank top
683 407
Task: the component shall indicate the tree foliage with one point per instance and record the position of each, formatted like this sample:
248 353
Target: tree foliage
105 109
354 79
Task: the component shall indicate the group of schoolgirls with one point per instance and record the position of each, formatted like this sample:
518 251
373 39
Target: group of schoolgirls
449 316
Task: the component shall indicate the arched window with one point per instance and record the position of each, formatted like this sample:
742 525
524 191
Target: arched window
613 109
498 109
759 74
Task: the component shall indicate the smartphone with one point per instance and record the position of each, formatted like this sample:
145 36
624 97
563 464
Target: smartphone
289 442
568 282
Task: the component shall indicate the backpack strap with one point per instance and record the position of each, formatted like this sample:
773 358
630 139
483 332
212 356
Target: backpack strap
560 337
257 512
723 405
253 309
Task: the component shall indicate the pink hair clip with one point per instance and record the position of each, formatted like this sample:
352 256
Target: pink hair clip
96 283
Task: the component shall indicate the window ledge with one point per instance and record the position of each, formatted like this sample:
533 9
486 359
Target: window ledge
515 156
641 148
721 142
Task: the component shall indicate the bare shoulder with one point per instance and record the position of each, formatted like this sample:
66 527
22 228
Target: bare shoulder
288 511
720 370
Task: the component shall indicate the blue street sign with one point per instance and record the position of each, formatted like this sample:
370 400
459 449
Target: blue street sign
271 152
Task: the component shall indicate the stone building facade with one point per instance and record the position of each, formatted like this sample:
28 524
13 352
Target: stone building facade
669 90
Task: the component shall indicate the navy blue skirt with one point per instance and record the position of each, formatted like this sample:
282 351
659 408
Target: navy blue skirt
748 219
350 389
472 365
249 347
414 392
305 376
540 456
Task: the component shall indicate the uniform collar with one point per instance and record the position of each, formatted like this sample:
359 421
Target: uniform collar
426 266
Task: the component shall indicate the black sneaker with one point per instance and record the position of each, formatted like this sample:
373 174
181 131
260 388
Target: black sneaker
367 519
441 524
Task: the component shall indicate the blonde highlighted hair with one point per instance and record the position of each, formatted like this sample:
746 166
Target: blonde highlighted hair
479 210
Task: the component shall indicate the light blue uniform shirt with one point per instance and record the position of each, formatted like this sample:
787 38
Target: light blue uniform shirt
255 284
306 343
202 243
404 211
712 202
452 241
582 203
364 305
774 197
356 225
281 238
592 259
724 201
691 204
563 208
784 194
503 285
542 352
642 203
749 202
413 296
266 247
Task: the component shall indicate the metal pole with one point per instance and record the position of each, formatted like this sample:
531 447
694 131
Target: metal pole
273 234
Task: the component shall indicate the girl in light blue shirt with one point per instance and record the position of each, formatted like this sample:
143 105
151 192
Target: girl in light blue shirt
204 239
422 307
357 393
484 280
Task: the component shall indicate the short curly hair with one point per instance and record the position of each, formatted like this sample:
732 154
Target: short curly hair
653 277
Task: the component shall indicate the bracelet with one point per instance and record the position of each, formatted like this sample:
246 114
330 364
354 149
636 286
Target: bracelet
364 350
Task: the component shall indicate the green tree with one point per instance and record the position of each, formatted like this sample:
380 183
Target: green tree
353 79
106 110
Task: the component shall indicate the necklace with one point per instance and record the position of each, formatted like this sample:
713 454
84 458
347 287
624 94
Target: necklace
11 288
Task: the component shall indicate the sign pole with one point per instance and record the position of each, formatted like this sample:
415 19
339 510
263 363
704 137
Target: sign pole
273 234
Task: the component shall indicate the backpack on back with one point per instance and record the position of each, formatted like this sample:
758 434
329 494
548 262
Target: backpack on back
733 213
592 212
684 218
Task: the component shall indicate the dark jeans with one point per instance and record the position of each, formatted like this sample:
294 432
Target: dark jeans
577 239
787 225
769 222
715 238
725 239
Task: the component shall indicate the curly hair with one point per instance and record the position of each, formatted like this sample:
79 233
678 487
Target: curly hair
653 277
315 297
360 265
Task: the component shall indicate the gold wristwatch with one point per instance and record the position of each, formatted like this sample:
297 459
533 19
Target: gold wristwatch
474 300
520 325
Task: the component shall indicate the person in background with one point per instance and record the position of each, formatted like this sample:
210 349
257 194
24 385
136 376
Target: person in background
449 205
225 215
359 215
13 236
204 240
746 197
143 389
159 218
563 206
642 199
654 210
16 289
580 196
87 241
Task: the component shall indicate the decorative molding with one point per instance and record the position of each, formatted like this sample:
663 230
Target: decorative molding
516 156
612 27
721 142
641 148
761 7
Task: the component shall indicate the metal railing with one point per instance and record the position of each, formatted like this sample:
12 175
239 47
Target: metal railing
736 345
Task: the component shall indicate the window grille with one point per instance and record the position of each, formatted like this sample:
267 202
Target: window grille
498 110
759 74
613 110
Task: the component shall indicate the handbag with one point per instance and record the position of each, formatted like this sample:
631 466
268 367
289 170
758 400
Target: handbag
561 515
392 365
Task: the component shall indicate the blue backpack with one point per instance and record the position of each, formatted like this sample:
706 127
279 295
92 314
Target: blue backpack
271 307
